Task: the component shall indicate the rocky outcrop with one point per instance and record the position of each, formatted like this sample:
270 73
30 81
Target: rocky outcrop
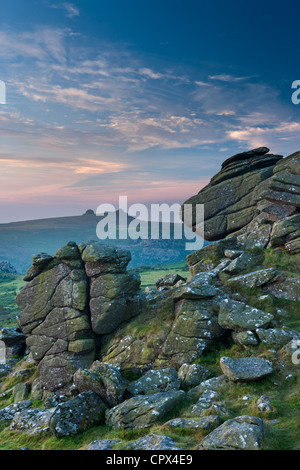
72 299
253 191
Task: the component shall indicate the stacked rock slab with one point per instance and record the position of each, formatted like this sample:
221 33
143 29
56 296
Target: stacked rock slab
70 300
231 197
253 189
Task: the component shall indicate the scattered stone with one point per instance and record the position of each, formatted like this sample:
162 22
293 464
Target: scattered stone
204 402
169 280
246 369
215 383
194 329
274 337
208 258
219 409
237 316
232 254
36 390
239 264
193 293
240 433
53 400
77 415
14 340
285 286
264 404
256 239
32 422
143 410
8 413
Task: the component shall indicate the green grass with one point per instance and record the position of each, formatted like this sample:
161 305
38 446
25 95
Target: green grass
10 285
280 259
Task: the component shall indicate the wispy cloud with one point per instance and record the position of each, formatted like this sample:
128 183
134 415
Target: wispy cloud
71 11
223 77
42 44
84 120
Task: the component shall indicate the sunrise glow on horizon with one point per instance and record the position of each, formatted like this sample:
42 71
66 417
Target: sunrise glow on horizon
143 99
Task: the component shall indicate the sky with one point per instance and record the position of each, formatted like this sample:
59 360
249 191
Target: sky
138 98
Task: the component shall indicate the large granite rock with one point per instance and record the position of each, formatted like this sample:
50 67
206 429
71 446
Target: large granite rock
260 194
72 298
238 182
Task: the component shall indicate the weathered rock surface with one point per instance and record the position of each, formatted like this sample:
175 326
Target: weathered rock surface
80 293
255 278
32 421
154 442
260 195
195 327
274 337
154 381
246 369
239 182
103 379
192 374
143 410
204 402
207 423
77 415
8 413
237 316
264 404
240 433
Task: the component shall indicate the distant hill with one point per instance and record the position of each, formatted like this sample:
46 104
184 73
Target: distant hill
19 241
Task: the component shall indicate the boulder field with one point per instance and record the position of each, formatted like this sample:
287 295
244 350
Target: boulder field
110 354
